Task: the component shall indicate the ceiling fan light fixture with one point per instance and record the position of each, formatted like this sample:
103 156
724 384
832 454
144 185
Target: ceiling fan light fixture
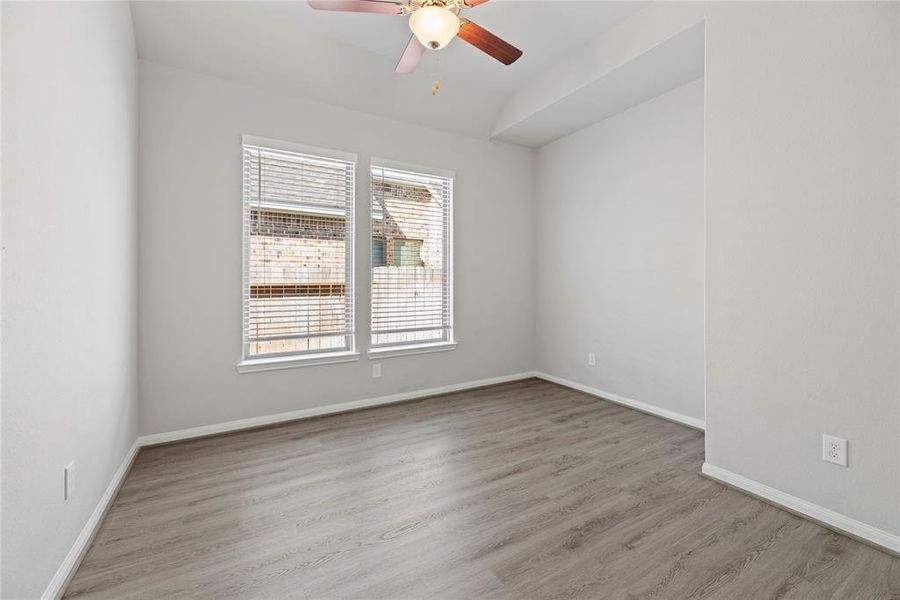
434 26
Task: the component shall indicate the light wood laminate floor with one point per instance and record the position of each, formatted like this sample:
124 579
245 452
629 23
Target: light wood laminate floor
522 490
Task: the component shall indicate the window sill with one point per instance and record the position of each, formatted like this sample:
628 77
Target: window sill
392 351
290 362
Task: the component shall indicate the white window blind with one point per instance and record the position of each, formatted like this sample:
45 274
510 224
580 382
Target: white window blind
411 257
298 252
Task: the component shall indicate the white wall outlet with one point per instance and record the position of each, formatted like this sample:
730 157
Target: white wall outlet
834 450
376 370
69 480
592 359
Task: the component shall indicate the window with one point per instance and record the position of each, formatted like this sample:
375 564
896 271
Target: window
378 252
411 257
408 253
298 250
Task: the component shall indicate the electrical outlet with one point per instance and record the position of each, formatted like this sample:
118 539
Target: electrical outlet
69 480
834 450
592 359
376 370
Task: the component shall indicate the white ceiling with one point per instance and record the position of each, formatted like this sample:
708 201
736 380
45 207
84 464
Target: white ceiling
663 67
348 59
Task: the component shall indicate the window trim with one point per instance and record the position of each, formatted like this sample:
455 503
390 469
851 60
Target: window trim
252 363
291 361
450 343
379 352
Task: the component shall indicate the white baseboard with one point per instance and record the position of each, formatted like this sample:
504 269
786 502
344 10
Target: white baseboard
669 415
317 411
819 514
83 541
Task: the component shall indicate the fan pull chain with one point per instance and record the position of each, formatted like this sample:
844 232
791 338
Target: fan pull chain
437 80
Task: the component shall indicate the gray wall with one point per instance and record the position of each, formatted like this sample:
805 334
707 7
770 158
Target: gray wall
620 261
802 250
190 241
69 314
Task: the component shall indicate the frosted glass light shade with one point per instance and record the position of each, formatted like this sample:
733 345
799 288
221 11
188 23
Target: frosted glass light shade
434 26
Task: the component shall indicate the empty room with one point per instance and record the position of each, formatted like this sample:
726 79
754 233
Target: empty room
458 299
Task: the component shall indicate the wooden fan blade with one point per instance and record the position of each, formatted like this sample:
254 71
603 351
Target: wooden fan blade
411 56
363 6
473 3
488 43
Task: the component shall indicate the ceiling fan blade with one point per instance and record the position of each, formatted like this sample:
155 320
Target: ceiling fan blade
488 43
411 56
473 3
363 6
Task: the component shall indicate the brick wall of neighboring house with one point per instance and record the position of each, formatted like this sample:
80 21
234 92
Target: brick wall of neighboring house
415 291
401 205
383 188
288 248
297 267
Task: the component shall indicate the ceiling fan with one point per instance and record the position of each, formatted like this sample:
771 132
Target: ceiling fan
433 23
